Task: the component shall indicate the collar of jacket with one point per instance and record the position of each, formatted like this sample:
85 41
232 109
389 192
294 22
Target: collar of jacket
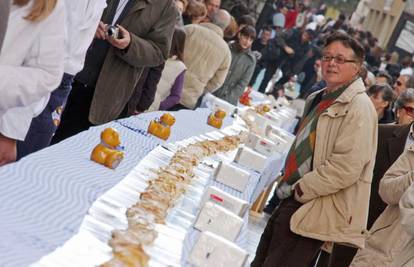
403 131
357 87
140 4
248 52
213 27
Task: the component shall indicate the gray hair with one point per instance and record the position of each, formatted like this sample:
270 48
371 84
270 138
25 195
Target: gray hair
385 89
410 82
406 97
221 18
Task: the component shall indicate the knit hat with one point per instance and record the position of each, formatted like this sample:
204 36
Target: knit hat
278 20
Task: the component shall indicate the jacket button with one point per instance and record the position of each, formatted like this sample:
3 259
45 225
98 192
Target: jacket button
336 114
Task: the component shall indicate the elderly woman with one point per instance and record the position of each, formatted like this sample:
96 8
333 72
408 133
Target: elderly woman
388 239
326 183
404 107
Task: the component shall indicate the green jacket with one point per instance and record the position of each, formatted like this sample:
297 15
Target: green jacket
239 75
151 25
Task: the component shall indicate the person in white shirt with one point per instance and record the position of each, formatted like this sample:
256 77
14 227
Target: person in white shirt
31 66
82 18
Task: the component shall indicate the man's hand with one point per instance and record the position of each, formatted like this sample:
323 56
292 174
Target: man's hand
8 150
124 41
101 31
289 50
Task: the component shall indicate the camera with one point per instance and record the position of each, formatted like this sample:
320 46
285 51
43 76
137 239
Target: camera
113 32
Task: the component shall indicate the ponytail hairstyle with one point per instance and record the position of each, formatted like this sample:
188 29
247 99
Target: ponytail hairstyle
41 9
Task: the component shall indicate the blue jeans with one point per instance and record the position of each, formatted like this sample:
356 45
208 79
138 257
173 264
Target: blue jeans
44 126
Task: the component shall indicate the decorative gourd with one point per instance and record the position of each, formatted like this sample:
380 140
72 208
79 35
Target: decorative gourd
106 153
167 119
162 128
221 114
110 137
216 119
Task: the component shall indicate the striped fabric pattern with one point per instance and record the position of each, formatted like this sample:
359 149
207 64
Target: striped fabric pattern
300 156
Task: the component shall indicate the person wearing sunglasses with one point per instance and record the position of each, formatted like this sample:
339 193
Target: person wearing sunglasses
327 177
404 107
402 83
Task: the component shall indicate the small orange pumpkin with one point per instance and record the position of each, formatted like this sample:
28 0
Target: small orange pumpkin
214 121
106 156
159 130
167 119
110 137
220 114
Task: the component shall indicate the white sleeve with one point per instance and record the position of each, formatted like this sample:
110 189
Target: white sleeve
42 69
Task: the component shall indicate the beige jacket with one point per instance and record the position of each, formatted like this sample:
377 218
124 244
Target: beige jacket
406 257
208 58
387 239
336 192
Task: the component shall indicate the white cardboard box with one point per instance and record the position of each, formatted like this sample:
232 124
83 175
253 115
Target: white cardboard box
251 159
233 204
214 251
233 176
264 145
219 221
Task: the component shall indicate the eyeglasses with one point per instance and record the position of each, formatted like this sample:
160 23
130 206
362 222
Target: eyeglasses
337 59
409 110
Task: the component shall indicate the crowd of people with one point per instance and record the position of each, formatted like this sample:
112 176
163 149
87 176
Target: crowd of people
67 65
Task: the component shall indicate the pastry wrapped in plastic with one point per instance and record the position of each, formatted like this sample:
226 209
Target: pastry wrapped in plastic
159 212
134 235
128 256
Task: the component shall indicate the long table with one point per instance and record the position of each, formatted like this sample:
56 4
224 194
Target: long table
46 195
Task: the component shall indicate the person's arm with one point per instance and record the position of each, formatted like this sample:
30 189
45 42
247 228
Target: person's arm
4 17
83 18
42 69
149 88
397 179
152 50
344 166
175 95
220 75
407 210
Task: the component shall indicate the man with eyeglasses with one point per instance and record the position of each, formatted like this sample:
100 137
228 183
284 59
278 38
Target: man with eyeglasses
326 182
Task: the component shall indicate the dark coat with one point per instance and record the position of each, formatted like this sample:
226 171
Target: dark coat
391 143
151 26
273 51
144 93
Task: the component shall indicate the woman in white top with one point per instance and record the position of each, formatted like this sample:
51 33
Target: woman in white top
82 18
170 86
31 66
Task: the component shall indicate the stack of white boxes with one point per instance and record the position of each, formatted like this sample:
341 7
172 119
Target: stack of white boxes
220 222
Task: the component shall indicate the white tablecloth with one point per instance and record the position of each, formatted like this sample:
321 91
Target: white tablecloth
45 196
